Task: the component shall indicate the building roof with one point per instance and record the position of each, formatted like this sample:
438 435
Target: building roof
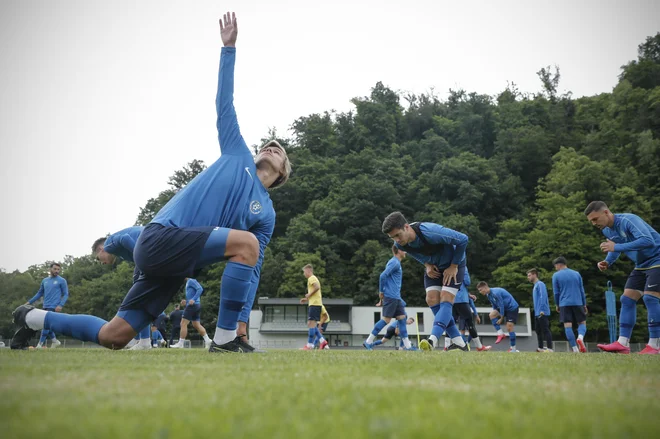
296 301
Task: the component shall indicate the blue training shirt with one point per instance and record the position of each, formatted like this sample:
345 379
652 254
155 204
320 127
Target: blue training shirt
453 252
228 193
568 288
54 290
472 307
540 297
634 237
502 300
462 295
390 279
122 243
193 291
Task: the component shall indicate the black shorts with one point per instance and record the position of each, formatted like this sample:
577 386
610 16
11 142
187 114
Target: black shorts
393 308
314 312
462 314
391 332
573 313
511 316
192 312
644 280
437 284
324 326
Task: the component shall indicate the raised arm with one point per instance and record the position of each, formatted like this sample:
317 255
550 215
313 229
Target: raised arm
229 135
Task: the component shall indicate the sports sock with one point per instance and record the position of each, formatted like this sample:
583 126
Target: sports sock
34 319
406 343
311 335
433 339
144 333
477 343
654 343
435 309
627 317
443 321
234 290
206 338
144 342
378 342
582 330
496 325
653 308
79 326
447 342
624 341
570 336
512 339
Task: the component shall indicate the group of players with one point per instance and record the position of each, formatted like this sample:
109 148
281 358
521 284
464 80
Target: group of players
226 214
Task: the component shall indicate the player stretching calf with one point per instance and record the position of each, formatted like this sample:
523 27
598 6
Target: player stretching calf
442 252
505 307
629 234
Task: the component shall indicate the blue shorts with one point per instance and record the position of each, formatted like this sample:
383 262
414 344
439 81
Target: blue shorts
573 313
511 316
324 326
644 280
393 308
437 284
192 312
314 313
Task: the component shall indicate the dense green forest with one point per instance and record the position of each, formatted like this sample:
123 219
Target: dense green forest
513 171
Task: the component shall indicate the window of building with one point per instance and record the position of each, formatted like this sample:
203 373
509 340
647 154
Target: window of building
420 321
376 317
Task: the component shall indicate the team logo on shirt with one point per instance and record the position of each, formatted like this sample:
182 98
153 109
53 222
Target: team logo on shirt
255 207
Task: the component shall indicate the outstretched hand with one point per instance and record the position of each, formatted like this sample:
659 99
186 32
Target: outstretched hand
228 29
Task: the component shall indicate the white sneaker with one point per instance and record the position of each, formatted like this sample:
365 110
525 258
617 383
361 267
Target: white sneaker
131 344
176 345
548 350
139 347
55 344
540 350
514 350
207 344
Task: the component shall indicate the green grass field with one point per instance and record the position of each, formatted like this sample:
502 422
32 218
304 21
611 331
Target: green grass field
167 393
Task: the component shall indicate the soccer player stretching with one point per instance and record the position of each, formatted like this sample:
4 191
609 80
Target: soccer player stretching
224 213
629 234
505 307
442 251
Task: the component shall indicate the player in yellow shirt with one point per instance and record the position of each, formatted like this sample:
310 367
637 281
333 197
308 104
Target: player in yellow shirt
315 301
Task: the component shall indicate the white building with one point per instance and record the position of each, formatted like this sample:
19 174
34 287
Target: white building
282 323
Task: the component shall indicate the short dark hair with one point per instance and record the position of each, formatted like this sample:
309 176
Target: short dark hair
559 260
534 271
595 206
394 220
97 243
54 264
482 284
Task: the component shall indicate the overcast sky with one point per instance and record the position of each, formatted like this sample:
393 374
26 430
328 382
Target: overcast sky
102 100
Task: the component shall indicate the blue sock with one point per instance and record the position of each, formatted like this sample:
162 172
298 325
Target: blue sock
627 317
582 329
401 344
380 324
444 322
319 336
44 335
144 333
377 342
512 339
311 333
570 336
233 293
653 308
79 326
435 309
465 338
494 322
403 329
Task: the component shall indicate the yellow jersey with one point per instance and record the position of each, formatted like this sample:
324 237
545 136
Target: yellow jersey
315 299
325 317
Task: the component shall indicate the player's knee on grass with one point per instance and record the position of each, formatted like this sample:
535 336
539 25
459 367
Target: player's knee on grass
242 247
